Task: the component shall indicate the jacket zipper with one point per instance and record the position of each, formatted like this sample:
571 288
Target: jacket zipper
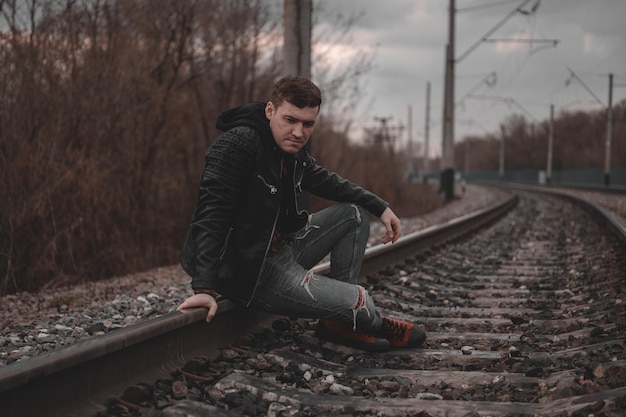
225 246
273 190
298 185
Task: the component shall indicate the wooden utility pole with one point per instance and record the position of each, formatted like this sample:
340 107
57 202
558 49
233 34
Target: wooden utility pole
297 50
297 37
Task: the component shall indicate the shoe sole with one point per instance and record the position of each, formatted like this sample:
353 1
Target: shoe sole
322 333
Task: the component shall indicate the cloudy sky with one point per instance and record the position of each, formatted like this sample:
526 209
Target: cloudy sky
563 53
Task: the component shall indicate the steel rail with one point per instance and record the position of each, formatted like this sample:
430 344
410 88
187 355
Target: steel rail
555 186
609 189
81 377
602 214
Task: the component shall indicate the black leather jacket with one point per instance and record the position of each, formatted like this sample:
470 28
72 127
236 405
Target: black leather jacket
240 199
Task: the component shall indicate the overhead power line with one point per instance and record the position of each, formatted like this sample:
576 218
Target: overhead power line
522 40
486 6
519 9
573 75
507 100
492 30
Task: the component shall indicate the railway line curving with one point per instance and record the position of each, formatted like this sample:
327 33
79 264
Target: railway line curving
525 316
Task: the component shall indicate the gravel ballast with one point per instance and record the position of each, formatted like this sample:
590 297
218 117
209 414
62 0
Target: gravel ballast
34 323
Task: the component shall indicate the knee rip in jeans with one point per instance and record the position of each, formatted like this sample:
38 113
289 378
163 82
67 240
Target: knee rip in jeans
361 297
361 303
358 213
306 283
307 229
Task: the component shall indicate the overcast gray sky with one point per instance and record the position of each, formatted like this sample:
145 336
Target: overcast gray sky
503 78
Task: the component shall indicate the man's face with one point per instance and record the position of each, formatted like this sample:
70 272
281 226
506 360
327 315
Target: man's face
291 126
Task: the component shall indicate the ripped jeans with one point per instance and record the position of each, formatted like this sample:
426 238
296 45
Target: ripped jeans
288 287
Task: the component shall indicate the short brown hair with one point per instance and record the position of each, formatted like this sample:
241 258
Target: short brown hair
299 91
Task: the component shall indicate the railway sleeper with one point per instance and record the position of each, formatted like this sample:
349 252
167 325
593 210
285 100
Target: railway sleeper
427 405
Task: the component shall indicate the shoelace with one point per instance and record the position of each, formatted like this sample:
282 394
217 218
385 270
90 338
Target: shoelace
397 328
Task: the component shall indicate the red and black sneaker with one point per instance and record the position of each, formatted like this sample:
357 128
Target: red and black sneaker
337 332
401 334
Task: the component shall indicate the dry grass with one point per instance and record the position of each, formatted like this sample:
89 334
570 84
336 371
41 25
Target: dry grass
106 111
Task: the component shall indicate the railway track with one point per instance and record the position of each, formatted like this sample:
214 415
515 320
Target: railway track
525 317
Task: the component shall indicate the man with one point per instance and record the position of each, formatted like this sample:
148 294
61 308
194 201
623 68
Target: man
250 241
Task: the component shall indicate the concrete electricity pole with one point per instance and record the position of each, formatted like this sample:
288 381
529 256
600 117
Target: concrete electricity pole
411 148
502 134
550 146
447 142
609 127
426 164
447 158
609 135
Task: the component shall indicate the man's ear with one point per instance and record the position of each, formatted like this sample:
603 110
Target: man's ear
269 110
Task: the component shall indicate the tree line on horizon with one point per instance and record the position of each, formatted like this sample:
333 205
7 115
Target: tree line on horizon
579 139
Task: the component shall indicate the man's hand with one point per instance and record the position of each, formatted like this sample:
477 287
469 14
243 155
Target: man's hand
201 300
392 224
